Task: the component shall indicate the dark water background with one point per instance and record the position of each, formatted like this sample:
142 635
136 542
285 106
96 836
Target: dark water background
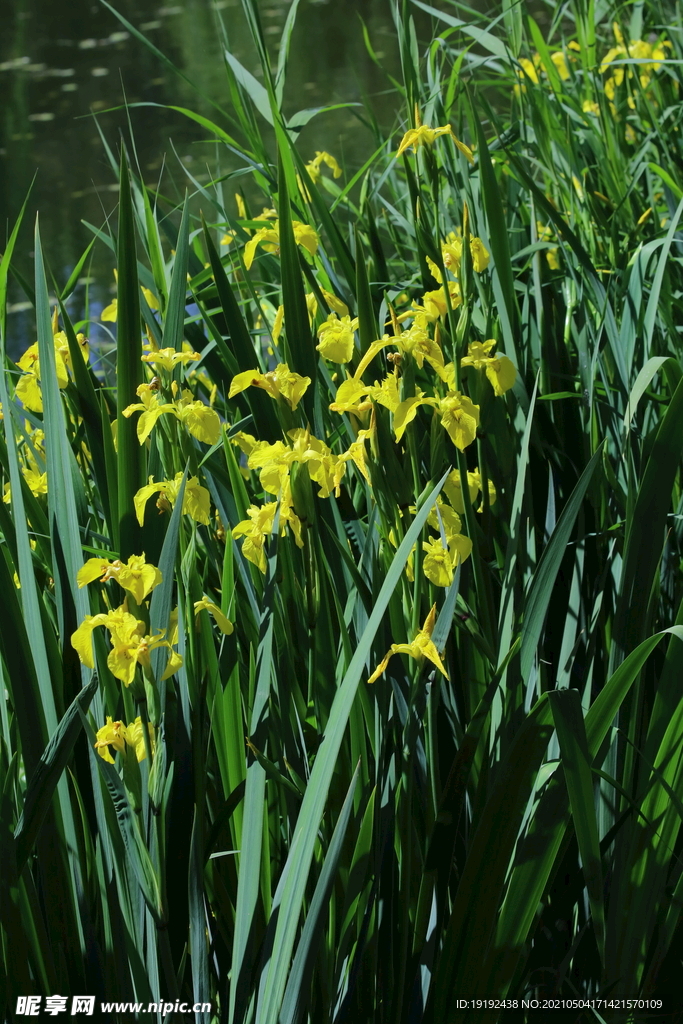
64 63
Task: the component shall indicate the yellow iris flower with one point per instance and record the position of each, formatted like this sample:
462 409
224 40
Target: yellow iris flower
421 647
352 396
434 303
500 370
259 526
118 735
167 358
200 420
637 49
274 462
414 342
279 383
451 253
528 69
196 500
441 558
425 136
136 575
453 489
130 645
443 553
314 166
337 338
269 237
28 389
36 481
459 416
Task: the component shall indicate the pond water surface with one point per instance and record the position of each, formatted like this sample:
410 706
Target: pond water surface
65 63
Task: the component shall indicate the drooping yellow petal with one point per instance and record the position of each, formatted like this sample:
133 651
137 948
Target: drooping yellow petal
122 663
372 351
453 490
434 270
29 360
381 667
28 392
429 651
406 412
250 250
201 420
92 570
174 662
81 639
460 547
306 236
277 331
480 255
334 303
269 237
142 497
223 623
110 312
197 502
443 516
151 298
246 379
502 374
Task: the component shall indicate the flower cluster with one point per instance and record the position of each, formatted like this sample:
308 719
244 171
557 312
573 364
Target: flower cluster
642 59
274 464
33 459
649 56
532 70
131 645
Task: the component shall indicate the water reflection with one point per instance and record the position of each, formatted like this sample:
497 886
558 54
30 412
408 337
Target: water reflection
64 63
